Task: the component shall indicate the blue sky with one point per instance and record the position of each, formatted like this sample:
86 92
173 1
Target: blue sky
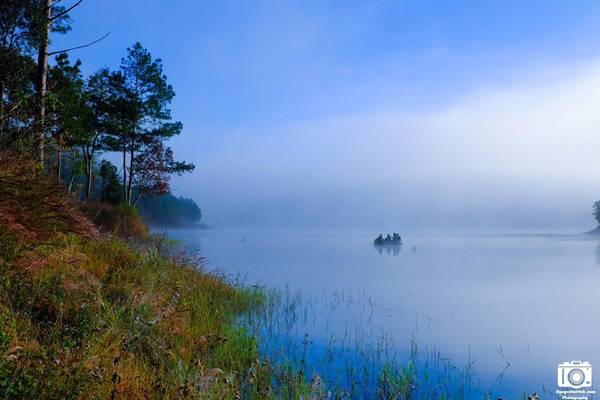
239 62
293 108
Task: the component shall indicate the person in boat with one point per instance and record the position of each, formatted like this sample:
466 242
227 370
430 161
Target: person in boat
388 238
379 239
397 238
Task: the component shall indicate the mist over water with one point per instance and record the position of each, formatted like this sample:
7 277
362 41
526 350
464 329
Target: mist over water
515 158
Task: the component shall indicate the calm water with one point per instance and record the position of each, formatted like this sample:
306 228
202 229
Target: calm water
530 301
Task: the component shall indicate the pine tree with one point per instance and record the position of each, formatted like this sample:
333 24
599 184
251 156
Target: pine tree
141 115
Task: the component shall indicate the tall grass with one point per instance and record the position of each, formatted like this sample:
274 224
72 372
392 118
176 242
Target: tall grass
98 319
90 316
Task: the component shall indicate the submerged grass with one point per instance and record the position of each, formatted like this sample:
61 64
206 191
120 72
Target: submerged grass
353 361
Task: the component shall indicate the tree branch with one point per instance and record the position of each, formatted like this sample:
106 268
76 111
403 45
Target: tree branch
80 47
65 12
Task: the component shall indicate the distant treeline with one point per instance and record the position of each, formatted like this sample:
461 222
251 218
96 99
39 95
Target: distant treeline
170 211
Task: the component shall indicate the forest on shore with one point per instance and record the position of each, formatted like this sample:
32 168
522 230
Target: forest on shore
168 211
93 306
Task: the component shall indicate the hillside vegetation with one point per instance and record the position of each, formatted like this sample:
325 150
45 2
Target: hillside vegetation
85 314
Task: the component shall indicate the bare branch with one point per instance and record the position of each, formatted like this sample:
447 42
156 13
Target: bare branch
65 12
80 47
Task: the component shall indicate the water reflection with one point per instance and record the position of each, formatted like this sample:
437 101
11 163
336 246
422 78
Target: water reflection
597 252
388 249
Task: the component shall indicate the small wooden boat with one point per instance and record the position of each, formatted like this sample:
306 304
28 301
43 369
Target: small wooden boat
394 240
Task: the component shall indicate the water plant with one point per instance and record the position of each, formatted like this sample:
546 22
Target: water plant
352 361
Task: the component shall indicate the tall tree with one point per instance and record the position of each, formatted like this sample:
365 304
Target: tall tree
99 109
45 18
142 114
41 77
68 114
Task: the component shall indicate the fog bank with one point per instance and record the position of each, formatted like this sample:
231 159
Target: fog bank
523 157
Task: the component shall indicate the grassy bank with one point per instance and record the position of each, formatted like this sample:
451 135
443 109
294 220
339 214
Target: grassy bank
86 314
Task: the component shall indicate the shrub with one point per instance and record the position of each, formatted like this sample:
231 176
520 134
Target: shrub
121 220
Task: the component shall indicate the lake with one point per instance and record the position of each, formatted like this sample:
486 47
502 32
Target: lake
507 308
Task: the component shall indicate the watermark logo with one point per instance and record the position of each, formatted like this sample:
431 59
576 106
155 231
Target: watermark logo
575 380
575 374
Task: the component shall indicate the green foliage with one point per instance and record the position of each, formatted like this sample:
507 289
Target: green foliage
67 112
16 101
22 27
66 99
169 210
111 190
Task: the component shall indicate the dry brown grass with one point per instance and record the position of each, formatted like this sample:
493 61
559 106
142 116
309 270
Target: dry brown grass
32 207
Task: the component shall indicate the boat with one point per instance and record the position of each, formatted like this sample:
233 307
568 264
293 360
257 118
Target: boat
389 240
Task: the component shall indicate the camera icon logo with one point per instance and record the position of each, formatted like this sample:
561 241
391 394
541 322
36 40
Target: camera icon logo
575 374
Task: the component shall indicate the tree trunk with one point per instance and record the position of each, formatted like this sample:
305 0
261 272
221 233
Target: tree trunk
131 172
137 198
40 83
2 138
125 171
59 158
88 173
90 179
72 179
